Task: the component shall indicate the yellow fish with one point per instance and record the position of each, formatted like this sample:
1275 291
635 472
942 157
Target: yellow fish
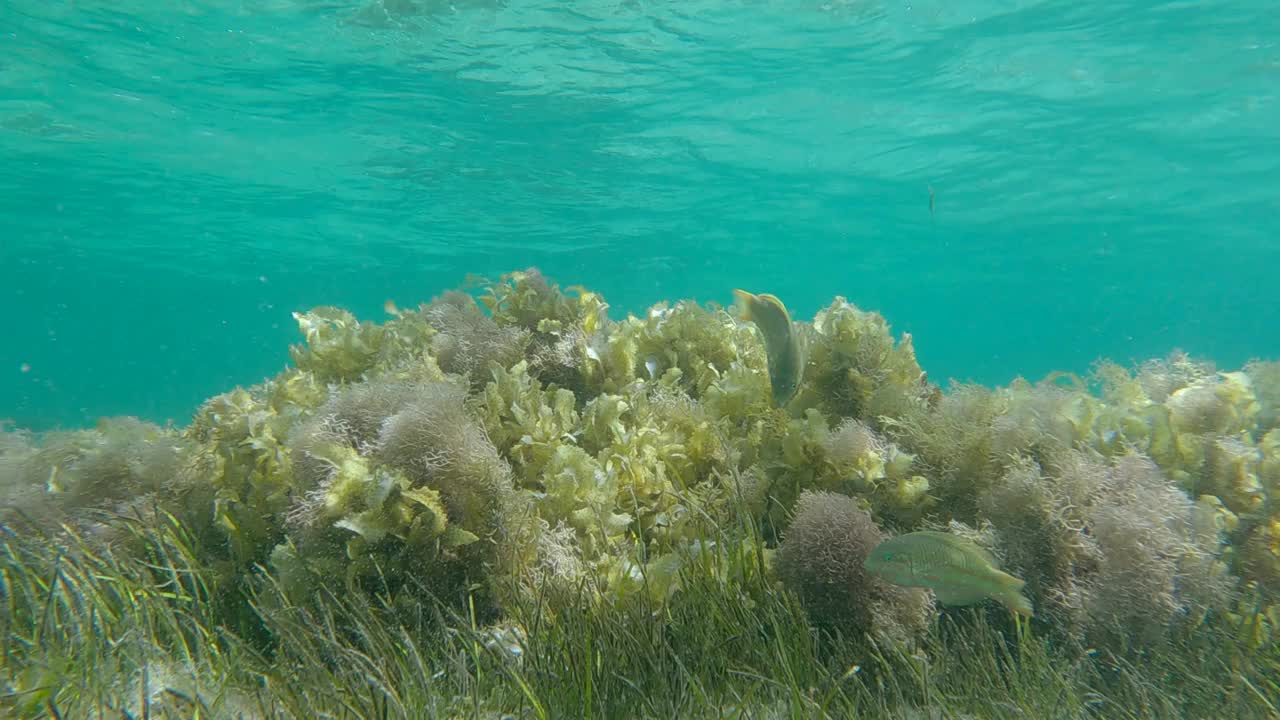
958 571
781 342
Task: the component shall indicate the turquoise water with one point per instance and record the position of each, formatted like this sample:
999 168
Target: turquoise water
178 177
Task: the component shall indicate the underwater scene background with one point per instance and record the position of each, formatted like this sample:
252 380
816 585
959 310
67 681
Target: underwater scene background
629 359
178 179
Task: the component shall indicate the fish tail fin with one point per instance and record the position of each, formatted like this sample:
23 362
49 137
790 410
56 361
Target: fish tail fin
743 299
1018 603
1013 598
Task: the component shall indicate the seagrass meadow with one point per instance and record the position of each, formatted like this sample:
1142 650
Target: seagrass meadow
504 503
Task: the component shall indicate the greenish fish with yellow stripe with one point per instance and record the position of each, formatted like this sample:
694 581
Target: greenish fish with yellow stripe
958 571
782 343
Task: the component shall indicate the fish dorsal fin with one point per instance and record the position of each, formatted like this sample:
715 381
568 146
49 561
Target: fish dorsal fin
961 544
986 556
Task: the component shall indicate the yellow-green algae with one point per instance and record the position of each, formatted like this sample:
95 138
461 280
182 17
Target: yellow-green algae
516 442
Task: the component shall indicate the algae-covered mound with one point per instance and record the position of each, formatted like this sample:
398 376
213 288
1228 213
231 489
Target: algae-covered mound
516 442
821 559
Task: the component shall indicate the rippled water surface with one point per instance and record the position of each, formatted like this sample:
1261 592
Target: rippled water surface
1022 185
